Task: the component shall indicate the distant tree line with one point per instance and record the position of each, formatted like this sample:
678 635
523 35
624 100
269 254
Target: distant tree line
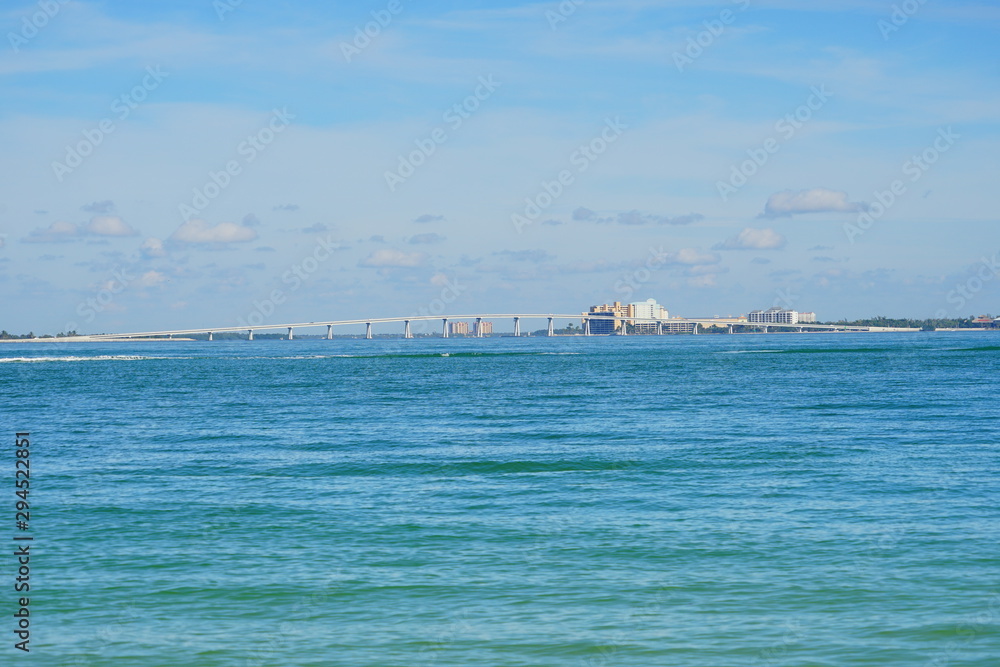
926 325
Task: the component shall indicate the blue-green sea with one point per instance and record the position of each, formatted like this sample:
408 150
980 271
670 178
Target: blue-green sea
713 500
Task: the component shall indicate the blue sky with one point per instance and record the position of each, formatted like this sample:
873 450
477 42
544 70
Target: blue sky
189 164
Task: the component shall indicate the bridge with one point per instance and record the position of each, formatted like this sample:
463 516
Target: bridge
674 325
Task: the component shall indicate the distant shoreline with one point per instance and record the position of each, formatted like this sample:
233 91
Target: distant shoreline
90 339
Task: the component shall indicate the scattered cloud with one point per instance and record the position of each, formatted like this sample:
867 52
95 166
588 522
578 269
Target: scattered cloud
427 217
820 248
583 214
817 200
525 255
286 207
251 220
552 222
760 260
692 257
199 232
57 232
376 238
152 247
105 207
99 225
390 258
152 279
426 238
316 229
633 218
108 225
753 239
264 248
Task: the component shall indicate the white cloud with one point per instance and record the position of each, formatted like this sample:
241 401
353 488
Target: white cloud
753 239
693 257
387 258
153 247
817 200
426 238
109 225
152 279
57 232
199 232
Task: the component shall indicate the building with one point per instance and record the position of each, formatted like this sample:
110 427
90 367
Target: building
774 315
647 310
616 314
486 328
620 313
807 318
458 328
677 326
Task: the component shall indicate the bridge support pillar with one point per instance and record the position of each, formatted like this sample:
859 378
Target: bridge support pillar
368 331
586 326
765 329
291 334
695 330
329 332
250 334
624 327
517 327
444 327
210 336
730 328
551 331
479 327
406 330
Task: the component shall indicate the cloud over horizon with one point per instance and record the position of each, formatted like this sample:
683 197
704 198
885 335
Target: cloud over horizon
753 239
787 203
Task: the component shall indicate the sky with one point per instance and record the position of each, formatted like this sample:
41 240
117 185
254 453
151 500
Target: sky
191 164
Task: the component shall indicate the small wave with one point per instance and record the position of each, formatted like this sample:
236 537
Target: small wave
107 357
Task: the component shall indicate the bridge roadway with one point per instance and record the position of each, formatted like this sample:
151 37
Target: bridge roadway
445 319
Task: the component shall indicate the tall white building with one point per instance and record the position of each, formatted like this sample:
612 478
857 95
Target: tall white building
648 310
773 315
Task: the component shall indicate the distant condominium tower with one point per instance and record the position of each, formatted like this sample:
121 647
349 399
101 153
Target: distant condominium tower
776 315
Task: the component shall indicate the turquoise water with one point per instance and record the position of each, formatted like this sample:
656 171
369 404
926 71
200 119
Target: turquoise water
712 500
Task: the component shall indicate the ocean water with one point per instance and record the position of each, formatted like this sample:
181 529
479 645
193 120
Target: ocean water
818 499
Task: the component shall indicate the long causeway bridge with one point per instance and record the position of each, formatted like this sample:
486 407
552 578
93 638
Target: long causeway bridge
658 326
